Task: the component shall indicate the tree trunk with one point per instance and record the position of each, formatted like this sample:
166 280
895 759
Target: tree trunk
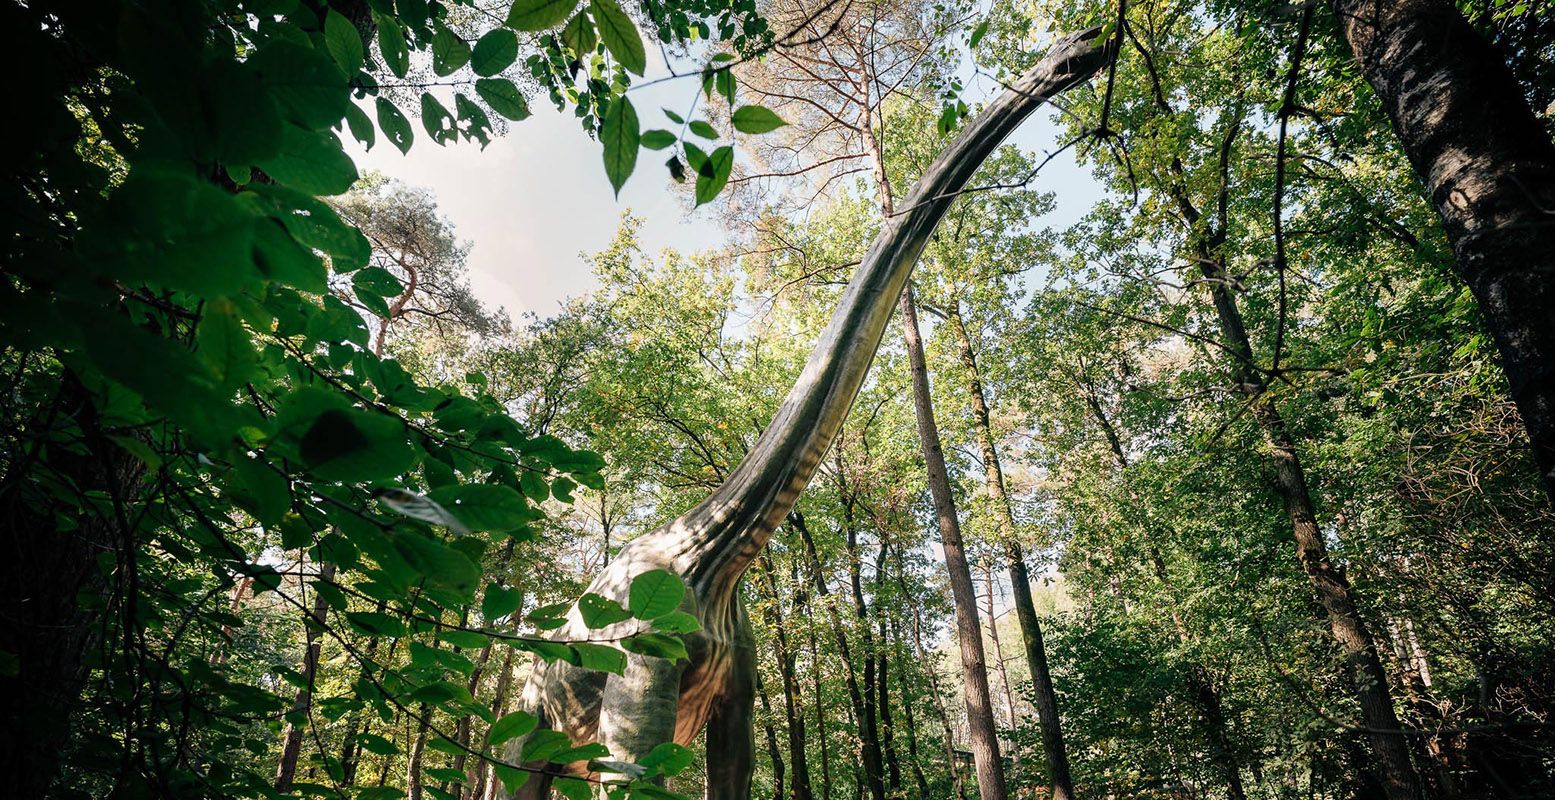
1370 681
418 748
46 572
291 740
911 723
982 736
869 729
772 743
1020 581
799 786
883 703
1489 169
868 746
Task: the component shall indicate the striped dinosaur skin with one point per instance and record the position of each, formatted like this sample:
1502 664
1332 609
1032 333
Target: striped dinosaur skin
711 546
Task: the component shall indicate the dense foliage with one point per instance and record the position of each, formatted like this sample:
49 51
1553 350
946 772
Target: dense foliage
289 510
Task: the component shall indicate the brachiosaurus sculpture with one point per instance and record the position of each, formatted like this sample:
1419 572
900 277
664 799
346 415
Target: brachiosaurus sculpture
710 546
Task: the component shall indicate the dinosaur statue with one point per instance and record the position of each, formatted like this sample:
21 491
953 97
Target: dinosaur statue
657 700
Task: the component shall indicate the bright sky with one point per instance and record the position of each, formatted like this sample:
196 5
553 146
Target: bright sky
533 200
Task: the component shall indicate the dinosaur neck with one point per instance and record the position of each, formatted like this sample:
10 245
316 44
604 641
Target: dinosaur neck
714 543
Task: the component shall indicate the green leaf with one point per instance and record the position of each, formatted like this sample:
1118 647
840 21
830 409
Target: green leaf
355 446
511 726
545 743
756 119
494 52
361 126
657 645
978 33
469 640
438 564
484 506
395 125
343 41
310 90
657 139
579 35
677 622
312 162
534 487
171 231
619 134
375 623
391 43
500 601
703 129
668 758
620 35
378 281
503 97
601 612
438 122
224 344
573 788
449 52
259 490
713 174
373 743
539 15
600 658
654 594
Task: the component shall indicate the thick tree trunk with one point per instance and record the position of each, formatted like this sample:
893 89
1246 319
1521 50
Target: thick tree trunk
1489 169
982 736
1020 581
291 740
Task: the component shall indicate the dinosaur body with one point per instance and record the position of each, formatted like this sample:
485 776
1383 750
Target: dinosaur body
710 546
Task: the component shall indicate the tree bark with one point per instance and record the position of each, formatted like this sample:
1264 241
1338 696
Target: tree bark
291 740
1053 747
982 736
1488 167
772 744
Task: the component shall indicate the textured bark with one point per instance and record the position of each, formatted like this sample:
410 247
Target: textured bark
982 736
291 740
1020 581
1488 167
711 545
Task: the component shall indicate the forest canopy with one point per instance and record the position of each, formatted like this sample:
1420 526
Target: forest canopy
1225 468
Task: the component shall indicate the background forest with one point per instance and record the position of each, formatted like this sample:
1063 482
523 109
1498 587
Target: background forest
1211 485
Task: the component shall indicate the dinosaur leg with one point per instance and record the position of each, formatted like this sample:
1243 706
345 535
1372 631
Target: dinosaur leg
637 712
731 743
